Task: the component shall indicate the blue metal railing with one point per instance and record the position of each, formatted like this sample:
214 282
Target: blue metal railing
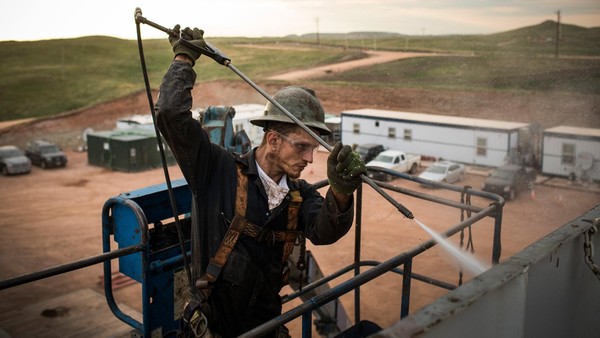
304 310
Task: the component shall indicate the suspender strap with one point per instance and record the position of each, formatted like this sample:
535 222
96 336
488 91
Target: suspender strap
216 263
288 246
241 198
240 225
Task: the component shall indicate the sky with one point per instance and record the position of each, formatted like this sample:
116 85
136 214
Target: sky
57 19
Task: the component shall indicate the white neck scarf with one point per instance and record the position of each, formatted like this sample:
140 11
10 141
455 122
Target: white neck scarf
275 192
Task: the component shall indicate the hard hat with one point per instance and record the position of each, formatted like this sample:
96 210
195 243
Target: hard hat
301 102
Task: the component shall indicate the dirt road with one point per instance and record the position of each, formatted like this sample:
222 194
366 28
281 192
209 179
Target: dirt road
374 57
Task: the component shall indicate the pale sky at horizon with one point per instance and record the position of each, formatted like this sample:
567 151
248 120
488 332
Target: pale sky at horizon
41 20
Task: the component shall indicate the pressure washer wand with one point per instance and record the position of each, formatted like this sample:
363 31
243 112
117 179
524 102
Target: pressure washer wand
220 58
364 177
407 213
209 51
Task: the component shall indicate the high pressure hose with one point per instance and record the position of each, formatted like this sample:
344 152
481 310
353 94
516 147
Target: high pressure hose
138 12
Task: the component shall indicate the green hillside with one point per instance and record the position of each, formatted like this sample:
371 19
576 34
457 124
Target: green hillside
47 77
474 73
533 40
43 78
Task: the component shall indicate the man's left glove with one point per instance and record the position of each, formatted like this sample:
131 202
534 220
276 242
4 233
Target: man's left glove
344 168
196 38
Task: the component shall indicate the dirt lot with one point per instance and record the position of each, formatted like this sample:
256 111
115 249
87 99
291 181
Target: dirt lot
52 217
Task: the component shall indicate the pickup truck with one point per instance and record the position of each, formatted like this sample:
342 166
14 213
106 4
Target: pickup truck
368 151
45 154
13 161
510 179
395 160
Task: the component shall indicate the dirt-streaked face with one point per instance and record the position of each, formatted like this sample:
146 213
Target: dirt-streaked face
290 154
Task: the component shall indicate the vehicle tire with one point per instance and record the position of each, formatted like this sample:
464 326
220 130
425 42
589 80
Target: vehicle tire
4 171
43 164
413 169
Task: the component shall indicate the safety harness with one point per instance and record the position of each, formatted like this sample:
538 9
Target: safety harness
240 225
196 311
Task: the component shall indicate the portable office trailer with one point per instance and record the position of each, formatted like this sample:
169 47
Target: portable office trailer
241 121
333 123
572 152
460 139
130 150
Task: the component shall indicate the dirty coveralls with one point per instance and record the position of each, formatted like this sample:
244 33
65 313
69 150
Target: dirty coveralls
247 291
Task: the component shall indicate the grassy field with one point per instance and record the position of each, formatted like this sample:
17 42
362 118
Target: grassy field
44 78
483 72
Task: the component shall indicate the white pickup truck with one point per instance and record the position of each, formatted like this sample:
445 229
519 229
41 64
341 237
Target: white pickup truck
395 160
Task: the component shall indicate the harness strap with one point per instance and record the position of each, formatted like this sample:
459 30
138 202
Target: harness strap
240 225
216 263
288 246
269 236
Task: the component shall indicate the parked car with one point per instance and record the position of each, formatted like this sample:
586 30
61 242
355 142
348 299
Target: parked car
444 171
13 161
368 151
508 180
45 154
395 160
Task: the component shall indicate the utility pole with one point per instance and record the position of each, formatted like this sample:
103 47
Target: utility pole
318 38
557 32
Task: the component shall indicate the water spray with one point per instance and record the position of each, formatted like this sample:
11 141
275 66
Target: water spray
470 263
213 53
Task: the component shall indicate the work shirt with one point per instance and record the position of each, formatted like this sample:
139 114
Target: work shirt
247 291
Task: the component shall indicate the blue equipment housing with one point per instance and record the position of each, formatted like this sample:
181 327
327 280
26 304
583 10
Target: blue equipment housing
138 219
218 123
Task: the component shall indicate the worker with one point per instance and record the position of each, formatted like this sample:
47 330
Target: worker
240 278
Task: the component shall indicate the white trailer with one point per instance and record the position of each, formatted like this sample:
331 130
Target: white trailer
572 152
459 139
241 121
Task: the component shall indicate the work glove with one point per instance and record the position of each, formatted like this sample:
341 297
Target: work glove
344 168
196 37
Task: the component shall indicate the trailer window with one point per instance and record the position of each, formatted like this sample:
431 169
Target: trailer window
356 128
481 146
392 132
568 154
408 134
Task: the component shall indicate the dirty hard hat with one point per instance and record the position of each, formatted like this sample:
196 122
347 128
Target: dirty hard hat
301 102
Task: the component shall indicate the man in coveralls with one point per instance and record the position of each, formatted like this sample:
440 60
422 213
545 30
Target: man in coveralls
245 292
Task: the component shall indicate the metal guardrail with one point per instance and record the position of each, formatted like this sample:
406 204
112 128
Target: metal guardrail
405 259
305 309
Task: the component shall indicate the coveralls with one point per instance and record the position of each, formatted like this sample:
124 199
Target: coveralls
247 291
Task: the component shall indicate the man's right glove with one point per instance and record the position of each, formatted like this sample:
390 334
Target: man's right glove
344 168
196 38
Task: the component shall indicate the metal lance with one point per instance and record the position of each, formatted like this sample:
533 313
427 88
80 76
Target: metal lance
215 54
